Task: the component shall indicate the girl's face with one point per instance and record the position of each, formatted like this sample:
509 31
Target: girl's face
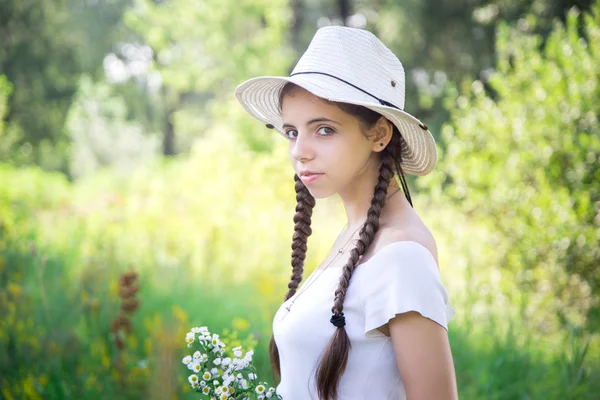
325 140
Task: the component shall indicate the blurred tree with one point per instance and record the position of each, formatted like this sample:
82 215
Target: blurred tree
44 47
345 8
442 41
38 55
202 49
525 163
99 26
8 135
297 24
5 89
101 134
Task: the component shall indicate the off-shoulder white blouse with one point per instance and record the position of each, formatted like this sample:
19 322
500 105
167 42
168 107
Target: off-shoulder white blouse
401 277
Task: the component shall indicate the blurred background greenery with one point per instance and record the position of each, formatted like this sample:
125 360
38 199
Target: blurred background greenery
123 150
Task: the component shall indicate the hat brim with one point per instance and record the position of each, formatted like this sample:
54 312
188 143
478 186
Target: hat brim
260 98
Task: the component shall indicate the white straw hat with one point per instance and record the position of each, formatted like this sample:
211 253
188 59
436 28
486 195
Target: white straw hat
353 66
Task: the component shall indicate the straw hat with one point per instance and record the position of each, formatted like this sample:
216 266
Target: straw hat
353 66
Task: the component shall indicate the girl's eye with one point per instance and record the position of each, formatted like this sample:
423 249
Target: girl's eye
325 131
328 131
287 133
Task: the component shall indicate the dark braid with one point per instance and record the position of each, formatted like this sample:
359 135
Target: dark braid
305 202
335 357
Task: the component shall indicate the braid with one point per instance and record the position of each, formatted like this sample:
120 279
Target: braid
302 230
333 362
305 203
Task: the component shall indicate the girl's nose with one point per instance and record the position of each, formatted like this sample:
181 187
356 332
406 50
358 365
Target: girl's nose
302 148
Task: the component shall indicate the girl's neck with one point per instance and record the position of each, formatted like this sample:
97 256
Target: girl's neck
358 202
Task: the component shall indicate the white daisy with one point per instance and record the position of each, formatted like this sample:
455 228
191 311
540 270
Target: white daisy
228 379
197 355
206 376
226 361
186 360
217 361
205 390
237 351
196 367
260 389
193 378
248 356
189 338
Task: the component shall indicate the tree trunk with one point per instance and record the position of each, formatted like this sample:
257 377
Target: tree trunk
297 22
169 135
345 10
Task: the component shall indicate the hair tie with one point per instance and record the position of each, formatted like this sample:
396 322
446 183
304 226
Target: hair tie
338 319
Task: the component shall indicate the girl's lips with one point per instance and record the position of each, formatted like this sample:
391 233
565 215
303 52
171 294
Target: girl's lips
310 178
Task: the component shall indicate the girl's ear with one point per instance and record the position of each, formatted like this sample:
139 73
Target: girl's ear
381 134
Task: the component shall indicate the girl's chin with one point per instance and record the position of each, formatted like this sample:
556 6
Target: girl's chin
319 193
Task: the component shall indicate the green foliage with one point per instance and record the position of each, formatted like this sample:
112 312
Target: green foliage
101 134
46 45
524 164
194 52
204 49
98 26
39 57
5 90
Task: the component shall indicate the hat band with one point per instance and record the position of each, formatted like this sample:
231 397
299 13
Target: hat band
381 101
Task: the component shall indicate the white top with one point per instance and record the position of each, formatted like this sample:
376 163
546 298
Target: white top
403 276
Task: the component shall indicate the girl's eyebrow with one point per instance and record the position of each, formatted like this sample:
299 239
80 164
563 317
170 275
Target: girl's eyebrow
312 121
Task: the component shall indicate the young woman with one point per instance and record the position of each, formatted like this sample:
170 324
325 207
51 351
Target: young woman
371 321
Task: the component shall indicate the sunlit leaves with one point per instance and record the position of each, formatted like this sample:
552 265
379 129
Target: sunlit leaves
525 160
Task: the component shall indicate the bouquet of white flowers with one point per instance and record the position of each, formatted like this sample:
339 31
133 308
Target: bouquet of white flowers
218 377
